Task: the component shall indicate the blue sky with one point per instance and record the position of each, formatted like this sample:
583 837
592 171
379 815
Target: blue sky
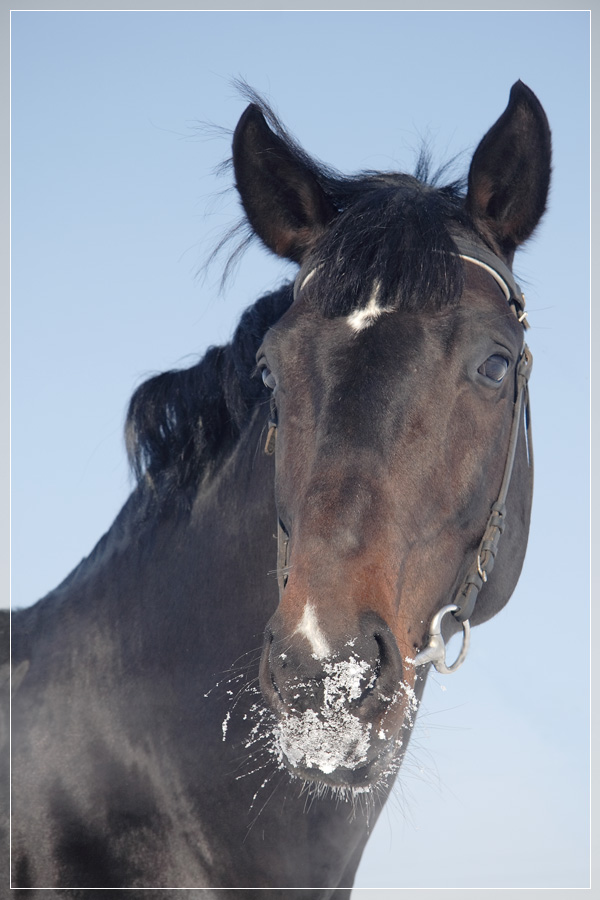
115 209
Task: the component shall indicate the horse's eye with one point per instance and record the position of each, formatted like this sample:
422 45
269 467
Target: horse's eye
269 379
495 368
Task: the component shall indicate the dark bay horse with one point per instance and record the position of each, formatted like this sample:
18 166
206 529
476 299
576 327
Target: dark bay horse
221 694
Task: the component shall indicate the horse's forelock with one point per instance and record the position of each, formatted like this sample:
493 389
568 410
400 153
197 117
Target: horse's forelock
395 232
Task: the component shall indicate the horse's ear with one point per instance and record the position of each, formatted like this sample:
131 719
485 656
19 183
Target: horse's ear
510 172
283 200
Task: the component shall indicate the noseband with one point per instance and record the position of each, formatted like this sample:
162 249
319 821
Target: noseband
481 567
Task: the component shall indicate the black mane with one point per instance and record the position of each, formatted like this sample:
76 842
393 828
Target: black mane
180 421
392 229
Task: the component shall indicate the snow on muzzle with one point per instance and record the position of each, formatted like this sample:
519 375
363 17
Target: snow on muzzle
339 711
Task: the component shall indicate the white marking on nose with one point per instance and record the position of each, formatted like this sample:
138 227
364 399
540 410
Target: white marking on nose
364 318
309 628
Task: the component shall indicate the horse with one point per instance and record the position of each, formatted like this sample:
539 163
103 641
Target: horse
220 696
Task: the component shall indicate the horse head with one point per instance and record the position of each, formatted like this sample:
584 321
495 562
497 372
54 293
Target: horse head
397 379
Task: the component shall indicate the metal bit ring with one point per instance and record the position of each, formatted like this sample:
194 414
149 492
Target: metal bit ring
435 651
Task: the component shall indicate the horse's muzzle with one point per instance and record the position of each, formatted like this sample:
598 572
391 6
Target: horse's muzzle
338 712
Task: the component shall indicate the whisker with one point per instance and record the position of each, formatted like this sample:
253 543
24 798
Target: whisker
251 825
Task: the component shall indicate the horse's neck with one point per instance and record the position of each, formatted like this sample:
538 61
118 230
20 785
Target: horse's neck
159 638
179 575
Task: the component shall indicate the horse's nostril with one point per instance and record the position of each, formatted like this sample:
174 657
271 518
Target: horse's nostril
388 666
381 642
360 676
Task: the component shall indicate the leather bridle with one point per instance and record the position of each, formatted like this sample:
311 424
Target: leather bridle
480 569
